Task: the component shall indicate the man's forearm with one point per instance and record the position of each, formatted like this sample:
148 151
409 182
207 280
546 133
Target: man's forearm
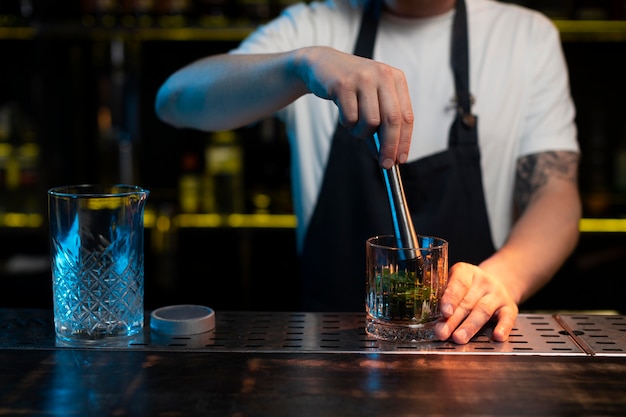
227 91
538 245
547 231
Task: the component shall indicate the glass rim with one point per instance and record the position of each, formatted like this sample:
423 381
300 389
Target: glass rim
96 190
440 242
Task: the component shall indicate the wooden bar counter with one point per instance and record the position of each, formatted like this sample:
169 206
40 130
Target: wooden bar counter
317 364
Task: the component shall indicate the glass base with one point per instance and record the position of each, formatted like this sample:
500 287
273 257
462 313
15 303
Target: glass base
121 340
401 333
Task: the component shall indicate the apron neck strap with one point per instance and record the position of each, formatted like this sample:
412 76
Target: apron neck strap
459 55
369 26
459 58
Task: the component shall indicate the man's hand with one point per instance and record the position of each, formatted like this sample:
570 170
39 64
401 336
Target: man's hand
370 96
471 299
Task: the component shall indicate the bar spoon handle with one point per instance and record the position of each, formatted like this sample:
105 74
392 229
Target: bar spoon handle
404 231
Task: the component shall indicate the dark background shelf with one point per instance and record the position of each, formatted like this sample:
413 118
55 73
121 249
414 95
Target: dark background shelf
64 76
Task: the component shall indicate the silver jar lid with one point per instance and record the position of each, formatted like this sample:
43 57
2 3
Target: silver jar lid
182 320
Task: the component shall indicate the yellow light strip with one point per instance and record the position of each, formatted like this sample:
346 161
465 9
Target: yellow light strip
17 32
262 220
229 33
21 220
277 221
289 221
591 26
602 225
592 30
198 220
212 30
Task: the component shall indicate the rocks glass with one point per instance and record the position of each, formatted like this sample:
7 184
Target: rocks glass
403 294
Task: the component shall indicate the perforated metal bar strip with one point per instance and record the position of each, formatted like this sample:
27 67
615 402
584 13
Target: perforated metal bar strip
599 335
534 334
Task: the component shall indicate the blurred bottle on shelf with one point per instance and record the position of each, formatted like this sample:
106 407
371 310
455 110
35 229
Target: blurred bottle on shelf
9 160
28 155
16 13
144 11
189 184
50 11
173 13
101 13
223 180
578 9
6 153
600 9
118 13
591 10
256 11
555 9
19 163
212 13
620 171
9 13
619 167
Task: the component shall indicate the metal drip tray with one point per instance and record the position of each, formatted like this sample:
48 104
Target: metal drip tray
344 332
534 334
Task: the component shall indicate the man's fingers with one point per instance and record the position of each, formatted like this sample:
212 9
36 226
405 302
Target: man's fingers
505 322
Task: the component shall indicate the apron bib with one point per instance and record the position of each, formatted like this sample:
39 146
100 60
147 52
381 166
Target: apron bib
444 193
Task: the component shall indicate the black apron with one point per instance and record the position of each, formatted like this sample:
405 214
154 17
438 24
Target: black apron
444 192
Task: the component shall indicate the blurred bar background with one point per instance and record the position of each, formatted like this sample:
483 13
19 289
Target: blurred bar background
77 86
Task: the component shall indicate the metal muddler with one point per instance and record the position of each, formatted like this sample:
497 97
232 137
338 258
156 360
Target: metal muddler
402 224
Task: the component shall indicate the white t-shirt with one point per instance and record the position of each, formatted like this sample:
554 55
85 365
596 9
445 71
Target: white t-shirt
518 77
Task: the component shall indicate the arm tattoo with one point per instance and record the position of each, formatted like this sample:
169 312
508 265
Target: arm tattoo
533 172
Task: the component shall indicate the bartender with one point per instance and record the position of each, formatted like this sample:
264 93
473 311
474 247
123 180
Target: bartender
470 97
